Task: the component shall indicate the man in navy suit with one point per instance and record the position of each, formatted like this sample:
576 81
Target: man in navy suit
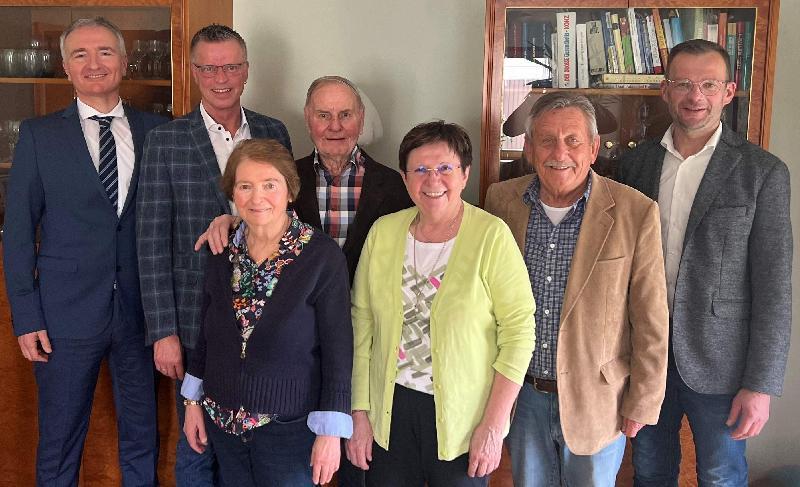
178 196
727 242
75 297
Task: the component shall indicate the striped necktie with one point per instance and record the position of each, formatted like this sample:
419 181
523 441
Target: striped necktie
108 159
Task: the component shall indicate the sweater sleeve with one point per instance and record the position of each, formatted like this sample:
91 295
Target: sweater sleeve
335 331
362 327
512 299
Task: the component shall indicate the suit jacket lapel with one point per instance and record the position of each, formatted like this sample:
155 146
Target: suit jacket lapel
203 146
307 205
722 163
74 134
597 223
138 134
372 195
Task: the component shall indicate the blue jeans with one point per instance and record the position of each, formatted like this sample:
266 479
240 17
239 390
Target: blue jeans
539 455
657 451
277 454
192 469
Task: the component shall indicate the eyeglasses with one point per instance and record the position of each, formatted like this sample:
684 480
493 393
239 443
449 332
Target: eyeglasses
210 70
707 86
441 170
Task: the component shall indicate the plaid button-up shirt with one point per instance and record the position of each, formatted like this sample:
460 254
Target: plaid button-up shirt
338 196
548 255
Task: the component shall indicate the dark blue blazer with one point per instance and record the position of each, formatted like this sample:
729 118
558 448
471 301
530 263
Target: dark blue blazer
66 285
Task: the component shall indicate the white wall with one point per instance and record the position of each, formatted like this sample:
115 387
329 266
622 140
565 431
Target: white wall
779 444
418 60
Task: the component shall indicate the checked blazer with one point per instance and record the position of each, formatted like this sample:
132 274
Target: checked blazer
179 195
732 311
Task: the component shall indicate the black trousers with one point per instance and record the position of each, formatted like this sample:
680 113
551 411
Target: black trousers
412 458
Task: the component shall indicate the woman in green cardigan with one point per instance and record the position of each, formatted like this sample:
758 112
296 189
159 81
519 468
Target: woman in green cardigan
443 327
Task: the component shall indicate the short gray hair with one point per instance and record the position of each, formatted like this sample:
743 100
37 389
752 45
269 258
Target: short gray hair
327 80
216 33
562 99
93 22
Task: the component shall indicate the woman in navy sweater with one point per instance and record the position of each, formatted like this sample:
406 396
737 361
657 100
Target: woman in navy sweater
275 354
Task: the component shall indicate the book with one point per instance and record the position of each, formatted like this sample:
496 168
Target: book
655 44
722 32
747 61
636 51
668 34
514 40
661 38
712 28
627 47
526 53
644 41
567 59
596 47
621 67
730 46
627 86
675 27
739 51
554 58
693 23
632 78
611 47
582 52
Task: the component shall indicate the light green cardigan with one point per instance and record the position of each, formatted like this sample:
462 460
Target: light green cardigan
481 322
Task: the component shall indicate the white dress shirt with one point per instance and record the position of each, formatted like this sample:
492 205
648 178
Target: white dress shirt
123 140
680 179
223 142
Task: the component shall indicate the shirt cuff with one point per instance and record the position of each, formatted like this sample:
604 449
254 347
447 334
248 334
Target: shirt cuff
330 423
192 387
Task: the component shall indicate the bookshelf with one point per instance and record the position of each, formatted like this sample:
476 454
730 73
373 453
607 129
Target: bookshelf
620 77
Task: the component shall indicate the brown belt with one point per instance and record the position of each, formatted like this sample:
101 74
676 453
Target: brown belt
542 385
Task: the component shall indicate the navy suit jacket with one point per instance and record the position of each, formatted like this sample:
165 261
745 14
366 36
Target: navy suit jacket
732 312
179 195
66 286
382 192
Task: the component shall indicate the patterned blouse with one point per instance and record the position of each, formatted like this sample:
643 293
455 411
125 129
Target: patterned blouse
252 285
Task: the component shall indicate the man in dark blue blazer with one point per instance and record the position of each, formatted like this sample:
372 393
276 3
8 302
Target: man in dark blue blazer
727 238
75 297
179 195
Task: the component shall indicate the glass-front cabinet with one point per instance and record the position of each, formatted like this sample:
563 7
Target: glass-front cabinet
614 52
157 35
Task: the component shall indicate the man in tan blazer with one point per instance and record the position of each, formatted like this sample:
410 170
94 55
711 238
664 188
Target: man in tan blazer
593 250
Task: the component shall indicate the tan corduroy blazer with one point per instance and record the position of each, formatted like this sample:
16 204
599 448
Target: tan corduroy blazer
614 329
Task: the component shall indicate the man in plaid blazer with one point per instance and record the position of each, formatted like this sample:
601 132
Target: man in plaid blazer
178 196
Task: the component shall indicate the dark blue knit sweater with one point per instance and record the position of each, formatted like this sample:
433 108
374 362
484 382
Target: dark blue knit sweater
300 354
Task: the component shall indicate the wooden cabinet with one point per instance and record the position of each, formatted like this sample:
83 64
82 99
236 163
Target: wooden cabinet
517 70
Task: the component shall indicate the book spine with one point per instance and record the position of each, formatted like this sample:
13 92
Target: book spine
554 61
598 64
747 62
636 51
668 34
632 78
627 47
739 51
722 32
525 41
655 44
565 24
582 52
618 44
611 47
675 27
644 41
712 34
731 48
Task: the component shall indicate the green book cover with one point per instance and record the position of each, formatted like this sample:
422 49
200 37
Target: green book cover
747 62
627 47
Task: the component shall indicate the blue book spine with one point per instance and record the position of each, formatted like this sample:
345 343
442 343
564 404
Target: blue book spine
677 30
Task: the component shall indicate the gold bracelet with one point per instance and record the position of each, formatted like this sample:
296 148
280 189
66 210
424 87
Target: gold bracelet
191 402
